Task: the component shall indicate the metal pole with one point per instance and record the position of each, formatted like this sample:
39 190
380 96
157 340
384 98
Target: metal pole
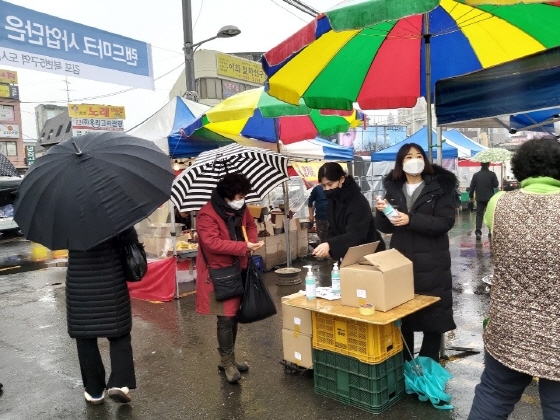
189 52
174 242
439 146
286 191
427 55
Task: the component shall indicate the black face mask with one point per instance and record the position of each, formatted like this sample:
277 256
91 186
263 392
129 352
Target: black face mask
334 193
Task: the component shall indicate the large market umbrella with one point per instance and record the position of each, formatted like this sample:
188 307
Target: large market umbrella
382 54
89 188
255 114
264 170
493 155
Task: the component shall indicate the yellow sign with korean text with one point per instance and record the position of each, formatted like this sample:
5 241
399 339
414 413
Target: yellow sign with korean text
240 69
309 171
96 111
8 76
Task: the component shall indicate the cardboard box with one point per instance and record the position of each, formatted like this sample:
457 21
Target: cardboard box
384 279
297 319
298 348
294 224
255 210
292 296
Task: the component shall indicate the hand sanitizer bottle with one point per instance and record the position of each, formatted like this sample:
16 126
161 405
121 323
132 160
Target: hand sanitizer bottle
310 284
389 211
335 279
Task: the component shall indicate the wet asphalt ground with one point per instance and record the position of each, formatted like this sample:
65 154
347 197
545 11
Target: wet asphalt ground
176 358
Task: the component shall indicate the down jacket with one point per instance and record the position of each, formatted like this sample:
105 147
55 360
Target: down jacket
97 298
425 242
351 221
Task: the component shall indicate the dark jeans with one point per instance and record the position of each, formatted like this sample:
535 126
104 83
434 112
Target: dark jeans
227 333
480 209
430 344
500 388
93 371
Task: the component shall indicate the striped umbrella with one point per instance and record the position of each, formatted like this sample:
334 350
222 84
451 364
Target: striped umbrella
255 114
264 170
384 61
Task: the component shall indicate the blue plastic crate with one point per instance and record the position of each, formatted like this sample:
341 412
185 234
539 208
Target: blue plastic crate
258 260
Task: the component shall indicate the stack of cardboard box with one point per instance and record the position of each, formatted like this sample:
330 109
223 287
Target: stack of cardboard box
297 336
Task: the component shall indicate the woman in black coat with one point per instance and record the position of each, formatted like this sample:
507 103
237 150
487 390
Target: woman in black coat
98 305
351 221
424 196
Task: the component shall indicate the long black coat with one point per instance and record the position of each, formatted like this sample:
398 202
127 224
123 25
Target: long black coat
351 221
425 242
97 298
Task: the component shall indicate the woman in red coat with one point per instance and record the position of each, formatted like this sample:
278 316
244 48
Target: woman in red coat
221 226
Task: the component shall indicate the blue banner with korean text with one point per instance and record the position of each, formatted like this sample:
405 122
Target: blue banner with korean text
37 41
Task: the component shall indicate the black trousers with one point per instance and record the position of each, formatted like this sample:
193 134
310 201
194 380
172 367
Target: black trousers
500 388
430 344
227 333
93 371
480 210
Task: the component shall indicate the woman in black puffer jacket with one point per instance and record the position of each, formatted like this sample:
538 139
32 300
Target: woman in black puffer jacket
98 305
424 195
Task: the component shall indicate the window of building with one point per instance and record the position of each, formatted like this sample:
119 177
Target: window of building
59 130
8 148
69 126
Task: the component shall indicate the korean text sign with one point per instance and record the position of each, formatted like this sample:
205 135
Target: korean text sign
240 69
37 41
96 111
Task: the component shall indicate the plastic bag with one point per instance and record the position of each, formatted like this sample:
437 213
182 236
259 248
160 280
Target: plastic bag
256 303
135 262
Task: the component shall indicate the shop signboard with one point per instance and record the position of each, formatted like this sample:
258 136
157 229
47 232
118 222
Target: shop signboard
8 76
9 131
81 126
7 113
230 88
96 111
38 41
30 155
240 69
9 91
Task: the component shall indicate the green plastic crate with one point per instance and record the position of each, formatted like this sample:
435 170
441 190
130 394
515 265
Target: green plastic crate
372 388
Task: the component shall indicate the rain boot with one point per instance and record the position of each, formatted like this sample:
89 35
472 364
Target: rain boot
241 366
228 365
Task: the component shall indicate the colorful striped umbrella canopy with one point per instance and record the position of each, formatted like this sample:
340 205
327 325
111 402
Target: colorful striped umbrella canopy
255 114
379 61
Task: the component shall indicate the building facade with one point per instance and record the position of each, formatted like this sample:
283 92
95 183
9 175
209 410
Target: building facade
11 137
45 112
219 76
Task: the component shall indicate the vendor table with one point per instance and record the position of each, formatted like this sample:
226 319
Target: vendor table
190 256
335 308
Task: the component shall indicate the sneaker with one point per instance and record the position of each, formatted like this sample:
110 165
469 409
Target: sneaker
120 395
95 400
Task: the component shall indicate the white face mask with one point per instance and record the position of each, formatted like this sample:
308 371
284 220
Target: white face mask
413 166
236 204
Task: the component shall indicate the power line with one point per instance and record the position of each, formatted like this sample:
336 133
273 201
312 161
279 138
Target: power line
289 11
302 7
199 12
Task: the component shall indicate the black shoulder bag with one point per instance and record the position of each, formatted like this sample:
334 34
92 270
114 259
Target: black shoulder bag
134 260
227 281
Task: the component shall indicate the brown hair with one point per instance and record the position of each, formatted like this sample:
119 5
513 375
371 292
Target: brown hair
398 172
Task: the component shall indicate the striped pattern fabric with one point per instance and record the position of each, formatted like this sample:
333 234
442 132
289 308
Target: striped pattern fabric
264 170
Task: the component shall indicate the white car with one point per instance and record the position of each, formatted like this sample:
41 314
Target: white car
8 189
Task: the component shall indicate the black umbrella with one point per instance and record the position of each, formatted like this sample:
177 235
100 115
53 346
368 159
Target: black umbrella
90 188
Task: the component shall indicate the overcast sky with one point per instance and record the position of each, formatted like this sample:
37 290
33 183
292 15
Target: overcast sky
264 23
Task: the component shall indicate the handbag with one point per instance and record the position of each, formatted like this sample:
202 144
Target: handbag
227 281
256 304
135 262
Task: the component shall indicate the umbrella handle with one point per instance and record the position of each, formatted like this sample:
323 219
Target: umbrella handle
414 361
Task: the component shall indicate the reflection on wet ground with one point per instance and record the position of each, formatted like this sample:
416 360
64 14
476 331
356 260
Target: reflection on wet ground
176 358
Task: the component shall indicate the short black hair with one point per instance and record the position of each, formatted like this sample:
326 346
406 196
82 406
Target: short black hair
398 171
535 158
485 165
232 184
332 171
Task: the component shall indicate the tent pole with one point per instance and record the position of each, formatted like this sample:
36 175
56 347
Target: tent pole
286 191
427 54
174 242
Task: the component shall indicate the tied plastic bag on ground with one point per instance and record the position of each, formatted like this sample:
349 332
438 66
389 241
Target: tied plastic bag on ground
256 303
427 378
135 262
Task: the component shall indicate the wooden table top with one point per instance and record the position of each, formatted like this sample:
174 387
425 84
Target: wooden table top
335 308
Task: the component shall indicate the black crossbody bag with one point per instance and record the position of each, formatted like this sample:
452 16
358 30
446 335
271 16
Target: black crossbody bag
227 281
